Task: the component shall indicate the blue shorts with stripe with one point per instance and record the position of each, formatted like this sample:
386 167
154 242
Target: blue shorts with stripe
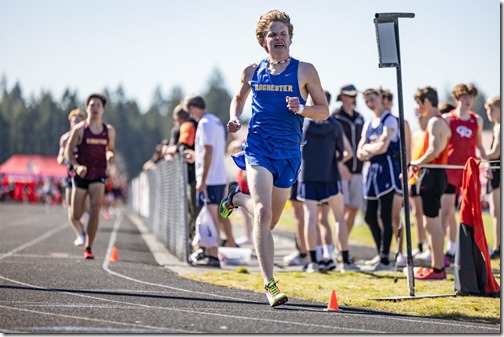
285 171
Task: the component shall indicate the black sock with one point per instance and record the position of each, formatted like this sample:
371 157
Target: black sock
385 260
438 270
345 255
420 247
313 255
302 254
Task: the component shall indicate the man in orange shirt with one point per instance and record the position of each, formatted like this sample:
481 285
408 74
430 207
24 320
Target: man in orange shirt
183 136
432 181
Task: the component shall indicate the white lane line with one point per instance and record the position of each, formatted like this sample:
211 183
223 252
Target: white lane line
36 240
50 256
193 312
87 330
92 319
116 227
17 224
384 316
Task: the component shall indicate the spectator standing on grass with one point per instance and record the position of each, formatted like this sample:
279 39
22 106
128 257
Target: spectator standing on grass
352 123
493 109
432 181
95 141
466 128
319 181
379 145
416 152
443 108
280 85
398 197
211 175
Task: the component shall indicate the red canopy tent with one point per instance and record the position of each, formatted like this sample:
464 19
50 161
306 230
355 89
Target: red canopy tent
32 166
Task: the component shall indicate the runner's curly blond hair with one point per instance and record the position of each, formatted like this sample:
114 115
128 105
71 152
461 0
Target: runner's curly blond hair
266 19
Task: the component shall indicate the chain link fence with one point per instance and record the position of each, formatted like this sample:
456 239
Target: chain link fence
159 197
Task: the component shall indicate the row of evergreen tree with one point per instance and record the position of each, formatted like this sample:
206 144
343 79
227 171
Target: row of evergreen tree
35 125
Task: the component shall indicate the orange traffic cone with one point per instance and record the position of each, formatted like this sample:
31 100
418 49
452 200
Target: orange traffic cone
113 255
333 302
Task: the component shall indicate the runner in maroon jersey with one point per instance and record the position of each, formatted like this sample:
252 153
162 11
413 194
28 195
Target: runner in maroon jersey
466 127
95 141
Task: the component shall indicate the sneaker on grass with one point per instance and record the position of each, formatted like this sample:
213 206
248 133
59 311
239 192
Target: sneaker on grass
495 255
401 260
275 297
295 259
314 267
378 267
346 267
429 274
328 264
426 255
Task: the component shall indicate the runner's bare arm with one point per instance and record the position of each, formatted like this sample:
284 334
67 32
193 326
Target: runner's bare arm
309 85
494 152
61 154
407 142
479 141
238 101
348 153
436 143
72 142
111 145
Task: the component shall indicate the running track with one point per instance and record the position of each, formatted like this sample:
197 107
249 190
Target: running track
47 287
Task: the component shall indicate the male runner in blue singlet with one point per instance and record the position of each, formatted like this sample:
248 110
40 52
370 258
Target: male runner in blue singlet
280 86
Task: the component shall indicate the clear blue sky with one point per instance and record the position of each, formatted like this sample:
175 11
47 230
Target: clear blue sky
90 45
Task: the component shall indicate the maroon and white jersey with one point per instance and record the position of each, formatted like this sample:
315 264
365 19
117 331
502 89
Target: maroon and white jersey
93 152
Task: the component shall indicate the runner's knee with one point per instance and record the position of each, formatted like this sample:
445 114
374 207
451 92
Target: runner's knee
263 214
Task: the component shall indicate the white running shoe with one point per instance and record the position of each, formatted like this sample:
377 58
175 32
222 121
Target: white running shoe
373 261
401 260
378 267
426 255
294 259
243 240
313 267
80 240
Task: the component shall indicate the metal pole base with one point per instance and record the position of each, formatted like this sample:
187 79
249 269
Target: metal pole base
403 298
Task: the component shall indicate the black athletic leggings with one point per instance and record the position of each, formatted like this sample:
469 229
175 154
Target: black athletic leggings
381 236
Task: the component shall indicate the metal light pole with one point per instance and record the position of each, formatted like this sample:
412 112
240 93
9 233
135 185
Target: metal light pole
387 35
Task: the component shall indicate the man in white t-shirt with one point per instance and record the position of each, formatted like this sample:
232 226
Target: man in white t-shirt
211 178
